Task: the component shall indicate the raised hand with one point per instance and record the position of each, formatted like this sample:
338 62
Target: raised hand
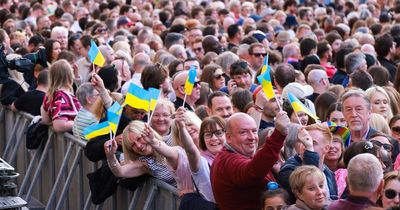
110 147
305 138
98 83
180 117
281 122
148 135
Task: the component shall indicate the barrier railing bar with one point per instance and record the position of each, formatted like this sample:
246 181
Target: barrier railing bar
80 185
60 175
19 139
11 139
150 198
88 202
99 207
39 167
69 179
28 171
135 197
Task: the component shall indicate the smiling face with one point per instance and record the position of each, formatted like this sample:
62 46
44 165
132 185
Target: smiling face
161 120
243 135
214 139
138 145
313 194
335 150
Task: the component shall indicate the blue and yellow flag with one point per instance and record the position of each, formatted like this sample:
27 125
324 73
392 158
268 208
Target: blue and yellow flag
93 131
154 94
138 97
95 55
266 83
300 107
265 65
190 81
114 115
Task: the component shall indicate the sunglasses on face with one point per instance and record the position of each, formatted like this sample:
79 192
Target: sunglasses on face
197 49
218 76
387 147
102 30
390 193
260 54
194 84
396 129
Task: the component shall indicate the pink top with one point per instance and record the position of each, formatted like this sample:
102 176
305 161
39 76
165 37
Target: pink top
182 174
63 106
340 176
208 156
396 165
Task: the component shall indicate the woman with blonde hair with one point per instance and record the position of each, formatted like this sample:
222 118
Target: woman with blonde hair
309 186
60 105
380 102
140 157
379 123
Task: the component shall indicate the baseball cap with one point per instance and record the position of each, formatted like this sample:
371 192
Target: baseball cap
297 89
123 20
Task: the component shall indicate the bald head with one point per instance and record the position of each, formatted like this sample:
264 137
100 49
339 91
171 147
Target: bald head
140 61
235 120
179 79
315 76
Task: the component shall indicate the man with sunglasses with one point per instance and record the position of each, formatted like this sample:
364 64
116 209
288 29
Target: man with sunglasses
257 53
384 142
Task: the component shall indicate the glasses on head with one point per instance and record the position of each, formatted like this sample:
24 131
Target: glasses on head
241 64
368 146
259 54
387 147
217 133
218 76
390 193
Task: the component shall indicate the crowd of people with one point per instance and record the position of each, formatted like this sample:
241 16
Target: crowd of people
226 145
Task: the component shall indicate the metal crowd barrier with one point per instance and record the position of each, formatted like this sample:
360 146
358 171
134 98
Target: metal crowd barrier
54 176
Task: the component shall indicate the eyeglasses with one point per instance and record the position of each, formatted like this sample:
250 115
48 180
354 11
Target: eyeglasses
199 49
158 116
259 54
218 76
387 147
390 193
218 133
102 30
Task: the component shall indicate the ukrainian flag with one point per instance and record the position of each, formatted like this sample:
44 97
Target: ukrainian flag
266 83
154 94
93 131
138 97
265 64
95 55
114 115
190 81
299 107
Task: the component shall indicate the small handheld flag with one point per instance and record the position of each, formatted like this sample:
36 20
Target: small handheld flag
266 83
190 81
300 107
114 115
343 132
154 94
95 55
265 65
93 131
138 97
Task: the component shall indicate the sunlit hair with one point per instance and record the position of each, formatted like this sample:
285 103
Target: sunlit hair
364 173
299 176
60 76
210 124
323 129
137 128
379 123
191 119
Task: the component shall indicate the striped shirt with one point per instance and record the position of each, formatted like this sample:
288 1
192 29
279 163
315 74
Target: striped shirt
83 119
